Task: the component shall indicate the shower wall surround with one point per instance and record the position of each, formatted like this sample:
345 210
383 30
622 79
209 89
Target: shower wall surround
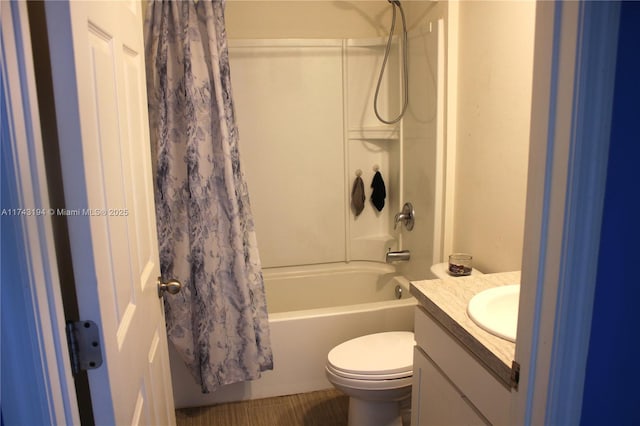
480 76
424 148
306 125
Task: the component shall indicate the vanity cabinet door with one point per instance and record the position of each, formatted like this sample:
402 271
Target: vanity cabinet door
435 400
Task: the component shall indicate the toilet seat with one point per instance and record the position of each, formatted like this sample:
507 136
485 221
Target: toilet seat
372 377
368 384
375 357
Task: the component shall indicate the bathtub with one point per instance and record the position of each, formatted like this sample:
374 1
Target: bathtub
311 310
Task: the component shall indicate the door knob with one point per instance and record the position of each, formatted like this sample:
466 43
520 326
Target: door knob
171 287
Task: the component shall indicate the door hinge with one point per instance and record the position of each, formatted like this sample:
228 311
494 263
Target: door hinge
83 338
515 374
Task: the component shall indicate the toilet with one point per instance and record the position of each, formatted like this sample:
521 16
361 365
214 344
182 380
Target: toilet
375 371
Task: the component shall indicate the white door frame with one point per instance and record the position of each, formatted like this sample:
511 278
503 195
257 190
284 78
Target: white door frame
552 216
570 131
55 402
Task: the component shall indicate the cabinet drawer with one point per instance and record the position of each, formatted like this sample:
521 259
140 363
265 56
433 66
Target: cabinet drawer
473 380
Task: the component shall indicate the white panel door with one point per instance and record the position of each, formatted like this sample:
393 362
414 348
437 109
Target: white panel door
98 70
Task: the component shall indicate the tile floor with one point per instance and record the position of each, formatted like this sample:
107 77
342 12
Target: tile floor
321 408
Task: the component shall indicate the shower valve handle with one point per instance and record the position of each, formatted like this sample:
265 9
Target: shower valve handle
406 216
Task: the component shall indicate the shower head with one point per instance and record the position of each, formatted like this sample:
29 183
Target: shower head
394 2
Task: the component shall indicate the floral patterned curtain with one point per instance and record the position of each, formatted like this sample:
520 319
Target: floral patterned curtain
218 322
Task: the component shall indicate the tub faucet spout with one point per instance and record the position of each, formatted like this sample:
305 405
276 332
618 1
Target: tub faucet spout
397 256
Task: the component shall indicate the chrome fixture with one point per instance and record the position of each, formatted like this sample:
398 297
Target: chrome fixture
398 292
405 68
406 216
397 256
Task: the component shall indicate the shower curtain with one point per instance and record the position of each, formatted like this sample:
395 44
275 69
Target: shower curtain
218 322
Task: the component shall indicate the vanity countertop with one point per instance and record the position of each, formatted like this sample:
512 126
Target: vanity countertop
446 301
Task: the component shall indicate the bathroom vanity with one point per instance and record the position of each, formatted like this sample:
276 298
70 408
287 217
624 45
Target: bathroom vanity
462 374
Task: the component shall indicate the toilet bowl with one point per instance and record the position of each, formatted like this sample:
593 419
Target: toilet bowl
375 371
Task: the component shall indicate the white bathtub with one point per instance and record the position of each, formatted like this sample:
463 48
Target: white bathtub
311 310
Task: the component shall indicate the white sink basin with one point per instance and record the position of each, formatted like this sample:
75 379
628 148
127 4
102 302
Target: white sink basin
496 310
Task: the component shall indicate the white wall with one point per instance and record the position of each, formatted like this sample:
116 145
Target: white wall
494 100
315 19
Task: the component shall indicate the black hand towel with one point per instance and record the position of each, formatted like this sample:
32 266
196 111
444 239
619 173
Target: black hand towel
357 196
379 192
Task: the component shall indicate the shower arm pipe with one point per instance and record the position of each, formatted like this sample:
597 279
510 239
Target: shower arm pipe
405 70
